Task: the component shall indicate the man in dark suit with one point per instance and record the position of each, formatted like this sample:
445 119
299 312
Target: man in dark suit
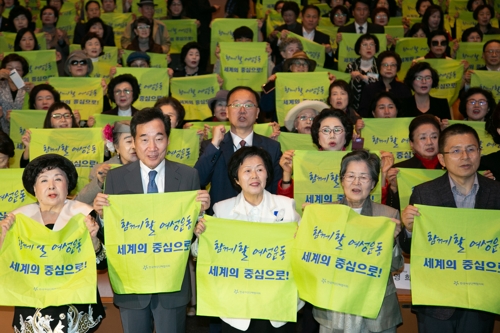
460 187
152 173
360 11
243 110
93 9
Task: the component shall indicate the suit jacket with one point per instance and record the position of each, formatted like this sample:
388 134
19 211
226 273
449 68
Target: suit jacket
372 28
108 37
390 314
114 111
127 180
212 166
438 193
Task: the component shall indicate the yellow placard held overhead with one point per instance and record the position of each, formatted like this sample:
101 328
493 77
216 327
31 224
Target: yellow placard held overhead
245 270
410 49
456 249
222 31
193 92
148 245
181 32
40 267
342 260
313 50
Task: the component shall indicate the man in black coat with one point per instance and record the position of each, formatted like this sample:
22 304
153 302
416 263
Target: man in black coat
360 11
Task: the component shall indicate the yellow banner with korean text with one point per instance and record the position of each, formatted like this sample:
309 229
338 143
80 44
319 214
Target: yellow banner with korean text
181 32
117 21
12 195
243 64
409 8
486 142
246 263
7 40
410 49
40 267
222 31
184 146
84 94
154 84
273 20
313 50
342 260
42 65
317 179
456 249
146 242
450 78
20 121
193 92
347 52
293 88
473 53
487 80
66 20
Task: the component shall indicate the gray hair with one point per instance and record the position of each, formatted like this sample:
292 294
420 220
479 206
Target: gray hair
290 40
372 162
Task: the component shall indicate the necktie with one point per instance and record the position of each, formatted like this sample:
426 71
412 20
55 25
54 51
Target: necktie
242 143
360 29
152 188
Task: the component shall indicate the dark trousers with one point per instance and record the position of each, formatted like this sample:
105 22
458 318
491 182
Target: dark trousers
462 321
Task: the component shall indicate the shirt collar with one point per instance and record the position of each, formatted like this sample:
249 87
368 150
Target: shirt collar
365 27
160 168
237 140
473 191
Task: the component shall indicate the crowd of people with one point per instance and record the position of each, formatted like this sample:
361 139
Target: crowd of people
246 173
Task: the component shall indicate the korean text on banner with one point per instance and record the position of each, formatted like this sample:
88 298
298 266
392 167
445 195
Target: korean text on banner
313 50
148 243
153 84
12 194
43 65
456 249
342 260
410 49
245 270
346 48
193 92
487 80
317 177
243 64
450 78
41 267
222 31
293 88
409 178
181 32
184 146
473 53
84 94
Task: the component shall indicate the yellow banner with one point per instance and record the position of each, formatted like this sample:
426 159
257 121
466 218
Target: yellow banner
450 78
243 64
110 55
395 31
330 30
41 267
84 94
12 194
158 60
485 140
82 146
7 40
409 178
222 31
314 50
273 21
472 52
20 121
101 120
66 21
346 48
181 32
487 80
409 8
410 49
146 241
316 177
153 83
456 249
184 146
388 134
245 270
293 88
193 92
342 260
296 141
117 21
42 65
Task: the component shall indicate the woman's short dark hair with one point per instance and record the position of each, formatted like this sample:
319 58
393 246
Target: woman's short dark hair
54 10
130 79
364 37
20 35
45 163
41 87
377 10
480 8
89 36
176 105
388 54
58 106
415 28
493 124
456 129
342 85
334 113
467 32
386 94
428 13
291 5
185 50
420 2
18 11
93 21
417 68
239 157
462 107
424 119
15 57
145 116
335 9
6 145
372 162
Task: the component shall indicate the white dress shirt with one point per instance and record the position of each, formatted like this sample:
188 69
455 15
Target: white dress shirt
237 140
159 179
365 27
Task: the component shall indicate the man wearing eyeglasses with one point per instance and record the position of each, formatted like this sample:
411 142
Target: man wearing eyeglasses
491 56
460 187
242 110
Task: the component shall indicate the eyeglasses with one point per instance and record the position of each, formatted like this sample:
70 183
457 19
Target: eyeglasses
125 91
493 51
389 65
305 118
457 152
339 15
62 115
473 102
300 63
48 14
139 63
143 27
246 106
423 78
368 45
439 43
79 62
337 130
363 179
381 17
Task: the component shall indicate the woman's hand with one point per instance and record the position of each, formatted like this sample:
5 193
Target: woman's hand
77 116
398 227
91 121
408 217
5 225
387 160
102 171
93 228
200 227
392 175
360 124
100 201
286 163
204 198
4 73
276 130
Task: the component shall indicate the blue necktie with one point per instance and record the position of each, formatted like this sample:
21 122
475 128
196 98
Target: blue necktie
152 188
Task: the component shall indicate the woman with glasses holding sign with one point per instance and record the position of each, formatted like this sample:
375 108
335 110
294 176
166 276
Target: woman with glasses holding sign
359 172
